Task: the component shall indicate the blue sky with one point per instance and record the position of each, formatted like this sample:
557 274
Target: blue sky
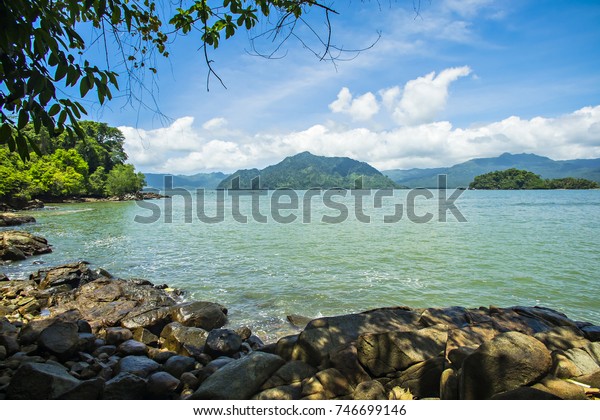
460 79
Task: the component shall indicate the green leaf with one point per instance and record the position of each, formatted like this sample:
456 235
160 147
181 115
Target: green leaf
54 109
84 87
5 133
22 147
23 119
61 71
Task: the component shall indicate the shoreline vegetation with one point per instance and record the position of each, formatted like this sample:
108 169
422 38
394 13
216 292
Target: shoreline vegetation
516 179
72 332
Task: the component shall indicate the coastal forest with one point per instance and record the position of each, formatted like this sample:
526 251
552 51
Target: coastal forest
69 167
517 179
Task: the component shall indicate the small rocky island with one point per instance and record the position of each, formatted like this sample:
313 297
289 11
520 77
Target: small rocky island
71 332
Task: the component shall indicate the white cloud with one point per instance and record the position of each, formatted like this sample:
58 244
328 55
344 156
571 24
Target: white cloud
425 97
361 108
570 136
215 123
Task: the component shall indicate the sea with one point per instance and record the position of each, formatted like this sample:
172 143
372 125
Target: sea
269 254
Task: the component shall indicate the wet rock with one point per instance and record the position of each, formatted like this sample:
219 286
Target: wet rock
125 386
592 332
132 348
177 365
92 389
40 381
205 315
117 335
239 379
290 373
12 219
153 320
222 342
15 245
369 390
162 385
244 333
422 379
181 339
298 320
137 365
73 275
388 352
508 361
60 339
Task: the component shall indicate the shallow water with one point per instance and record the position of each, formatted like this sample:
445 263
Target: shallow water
516 247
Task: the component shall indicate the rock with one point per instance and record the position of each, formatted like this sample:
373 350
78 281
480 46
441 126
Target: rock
162 385
324 334
525 393
345 359
40 381
422 379
86 342
143 335
583 362
244 332
593 349
73 275
83 326
458 355
160 355
181 339
240 379
285 346
369 390
205 315
189 380
178 365
137 365
3 277
109 350
326 384
290 373
562 338
453 317
117 335
11 219
125 386
507 362
509 319
60 339
592 332
3 353
15 243
593 379
153 320
87 390
132 348
562 389
468 337
449 385
298 320
222 342
388 352
8 337
549 316
285 392
399 394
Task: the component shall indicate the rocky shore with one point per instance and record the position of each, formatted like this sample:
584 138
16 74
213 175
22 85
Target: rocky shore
71 332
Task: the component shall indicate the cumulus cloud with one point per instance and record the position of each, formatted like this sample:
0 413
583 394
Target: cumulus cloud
432 144
361 108
215 123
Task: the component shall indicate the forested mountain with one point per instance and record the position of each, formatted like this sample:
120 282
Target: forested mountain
305 171
463 174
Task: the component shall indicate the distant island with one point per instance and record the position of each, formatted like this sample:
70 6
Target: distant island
462 174
305 170
458 176
516 179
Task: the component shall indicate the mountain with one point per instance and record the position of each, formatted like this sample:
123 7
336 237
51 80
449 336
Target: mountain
305 170
462 175
207 181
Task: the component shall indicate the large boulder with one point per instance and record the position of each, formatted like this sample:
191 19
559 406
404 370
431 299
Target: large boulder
16 245
40 381
325 334
240 379
222 342
125 386
422 379
60 339
137 365
505 363
289 374
73 275
205 315
184 340
392 351
13 219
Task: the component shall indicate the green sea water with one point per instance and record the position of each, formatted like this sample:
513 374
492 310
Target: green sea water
515 248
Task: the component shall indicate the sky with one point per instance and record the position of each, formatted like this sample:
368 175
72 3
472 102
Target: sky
443 82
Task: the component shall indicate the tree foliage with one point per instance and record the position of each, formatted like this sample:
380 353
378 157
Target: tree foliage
516 179
93 167
43 53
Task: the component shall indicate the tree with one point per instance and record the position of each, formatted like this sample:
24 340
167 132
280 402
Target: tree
42 51
123 180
